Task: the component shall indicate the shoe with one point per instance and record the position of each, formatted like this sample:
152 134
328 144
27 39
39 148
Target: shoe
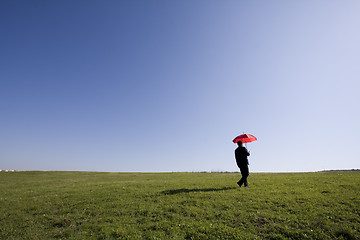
238 183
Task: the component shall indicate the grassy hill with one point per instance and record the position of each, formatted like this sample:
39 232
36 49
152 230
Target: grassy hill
84 205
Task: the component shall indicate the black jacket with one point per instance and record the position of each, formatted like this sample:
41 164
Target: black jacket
241 154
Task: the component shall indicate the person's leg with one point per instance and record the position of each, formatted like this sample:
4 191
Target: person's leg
241 181
245 174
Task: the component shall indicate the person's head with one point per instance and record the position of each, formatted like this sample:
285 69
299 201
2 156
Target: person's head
239 143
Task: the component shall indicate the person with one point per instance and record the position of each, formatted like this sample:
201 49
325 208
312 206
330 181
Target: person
241 154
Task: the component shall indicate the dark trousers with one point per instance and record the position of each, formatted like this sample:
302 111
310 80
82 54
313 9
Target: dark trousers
244 173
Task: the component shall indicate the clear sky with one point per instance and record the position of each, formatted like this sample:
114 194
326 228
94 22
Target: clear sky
166 85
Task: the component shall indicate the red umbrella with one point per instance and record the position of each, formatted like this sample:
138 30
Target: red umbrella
245 138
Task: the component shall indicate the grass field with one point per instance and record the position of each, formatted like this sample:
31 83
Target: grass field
84 205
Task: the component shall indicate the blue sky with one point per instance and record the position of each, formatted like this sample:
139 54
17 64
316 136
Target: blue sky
166 85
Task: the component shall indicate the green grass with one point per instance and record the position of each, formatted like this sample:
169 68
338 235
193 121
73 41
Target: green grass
83 205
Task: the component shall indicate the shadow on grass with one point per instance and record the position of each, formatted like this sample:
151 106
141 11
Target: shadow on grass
186 190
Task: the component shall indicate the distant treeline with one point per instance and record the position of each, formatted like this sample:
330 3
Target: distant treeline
346 170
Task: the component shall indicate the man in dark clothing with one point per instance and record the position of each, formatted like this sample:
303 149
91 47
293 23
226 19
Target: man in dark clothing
241 154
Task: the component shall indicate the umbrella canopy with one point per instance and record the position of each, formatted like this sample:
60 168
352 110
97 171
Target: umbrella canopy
245 138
